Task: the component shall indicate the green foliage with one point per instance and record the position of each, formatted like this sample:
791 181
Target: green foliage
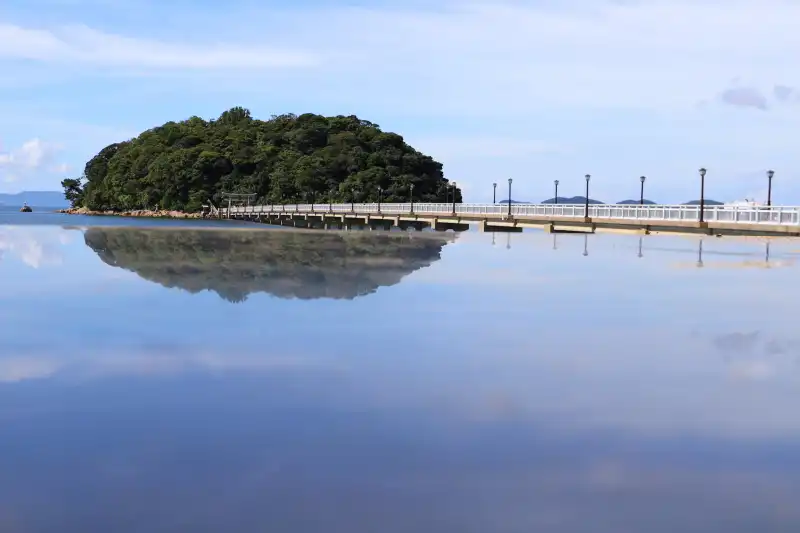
286 159
73 191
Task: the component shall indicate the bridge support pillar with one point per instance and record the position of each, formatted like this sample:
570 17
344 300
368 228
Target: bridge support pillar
561 228
499 227
438 225
380 224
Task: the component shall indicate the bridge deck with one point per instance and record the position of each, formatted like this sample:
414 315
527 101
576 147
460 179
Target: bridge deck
758 220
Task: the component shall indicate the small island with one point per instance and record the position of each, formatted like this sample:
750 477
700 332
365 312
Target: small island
176 168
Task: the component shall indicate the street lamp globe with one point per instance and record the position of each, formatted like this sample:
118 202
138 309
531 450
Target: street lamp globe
642 179
703 172
588 177
770 173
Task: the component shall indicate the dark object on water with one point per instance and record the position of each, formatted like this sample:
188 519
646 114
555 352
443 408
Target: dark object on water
25 208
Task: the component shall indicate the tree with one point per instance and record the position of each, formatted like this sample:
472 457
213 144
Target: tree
73 190
286 159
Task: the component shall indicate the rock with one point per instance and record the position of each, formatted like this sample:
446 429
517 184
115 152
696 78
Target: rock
133 213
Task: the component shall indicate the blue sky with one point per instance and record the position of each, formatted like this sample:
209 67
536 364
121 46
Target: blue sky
532 90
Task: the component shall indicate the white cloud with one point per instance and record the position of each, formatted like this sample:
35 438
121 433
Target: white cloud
81 44
618 83
487 56
30 158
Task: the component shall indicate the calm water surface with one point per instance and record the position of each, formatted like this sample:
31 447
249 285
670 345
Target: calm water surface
179 379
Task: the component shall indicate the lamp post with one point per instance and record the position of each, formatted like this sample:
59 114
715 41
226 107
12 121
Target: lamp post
770 175
509 197
641 190
411 194
555 198
494 193
586 205
454 197
352 200
380 192
330 201
702 194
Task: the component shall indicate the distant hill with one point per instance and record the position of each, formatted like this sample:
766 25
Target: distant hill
706 201
35 198
512 201
571 200
636 202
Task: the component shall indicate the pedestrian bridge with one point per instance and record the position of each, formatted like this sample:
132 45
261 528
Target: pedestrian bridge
724 219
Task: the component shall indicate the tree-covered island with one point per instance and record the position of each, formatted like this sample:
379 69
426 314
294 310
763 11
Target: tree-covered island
286 159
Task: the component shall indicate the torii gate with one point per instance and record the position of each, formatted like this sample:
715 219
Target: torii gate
238 197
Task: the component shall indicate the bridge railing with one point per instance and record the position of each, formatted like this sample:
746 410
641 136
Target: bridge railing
781 215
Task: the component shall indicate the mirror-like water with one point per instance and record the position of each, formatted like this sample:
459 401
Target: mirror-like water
183 379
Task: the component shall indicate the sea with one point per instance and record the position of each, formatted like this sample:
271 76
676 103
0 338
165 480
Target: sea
169 376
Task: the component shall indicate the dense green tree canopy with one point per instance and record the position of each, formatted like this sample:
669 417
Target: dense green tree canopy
286 159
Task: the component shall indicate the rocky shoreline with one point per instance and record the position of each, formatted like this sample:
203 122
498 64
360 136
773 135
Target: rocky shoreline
142 213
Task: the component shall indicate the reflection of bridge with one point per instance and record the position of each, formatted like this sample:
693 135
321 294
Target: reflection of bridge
748 258
723 219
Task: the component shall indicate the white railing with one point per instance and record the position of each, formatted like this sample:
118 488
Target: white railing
782 215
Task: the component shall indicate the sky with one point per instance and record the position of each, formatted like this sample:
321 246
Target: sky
533 90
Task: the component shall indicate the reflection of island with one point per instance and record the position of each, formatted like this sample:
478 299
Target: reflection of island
287 264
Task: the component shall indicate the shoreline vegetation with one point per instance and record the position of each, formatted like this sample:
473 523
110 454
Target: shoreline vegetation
175 169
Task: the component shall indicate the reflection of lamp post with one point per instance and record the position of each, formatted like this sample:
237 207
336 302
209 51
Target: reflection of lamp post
770 174
412 197
641 191
508 240
640 247
555 198
454 197
586 208
702 193
555 241
766 255
509 197
585 244
494 193
700 254
492 238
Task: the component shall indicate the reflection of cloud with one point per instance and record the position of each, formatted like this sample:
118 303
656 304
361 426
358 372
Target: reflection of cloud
753 357
17 369
98 365
737 342
33 247
752 370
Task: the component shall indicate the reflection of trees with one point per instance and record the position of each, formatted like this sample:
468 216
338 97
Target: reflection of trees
287 264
